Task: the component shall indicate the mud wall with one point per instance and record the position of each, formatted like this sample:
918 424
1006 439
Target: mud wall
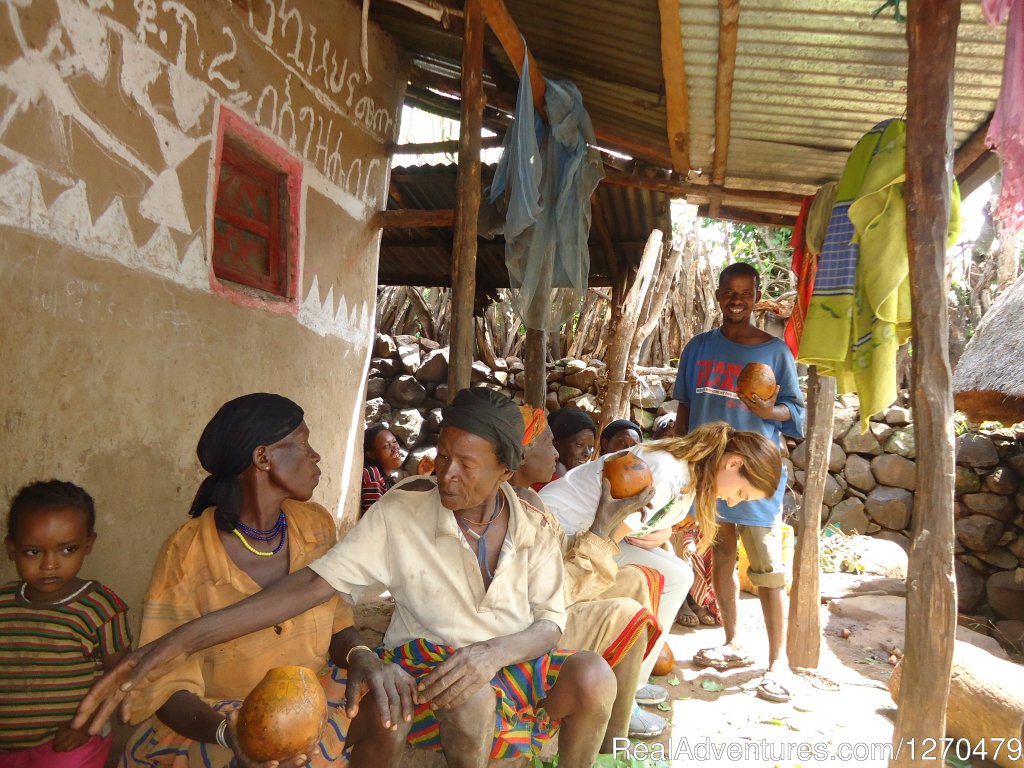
117 342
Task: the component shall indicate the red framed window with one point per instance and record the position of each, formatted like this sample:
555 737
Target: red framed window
250 244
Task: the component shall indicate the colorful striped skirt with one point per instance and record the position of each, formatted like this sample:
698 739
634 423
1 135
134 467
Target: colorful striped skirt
521 725
154 745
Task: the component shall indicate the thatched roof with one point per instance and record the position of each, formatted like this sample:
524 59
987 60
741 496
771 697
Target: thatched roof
988 384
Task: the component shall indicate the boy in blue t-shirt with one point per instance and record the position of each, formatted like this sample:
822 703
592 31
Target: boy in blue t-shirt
709 371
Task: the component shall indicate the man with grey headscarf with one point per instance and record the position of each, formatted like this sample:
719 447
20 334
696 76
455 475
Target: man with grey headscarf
477 583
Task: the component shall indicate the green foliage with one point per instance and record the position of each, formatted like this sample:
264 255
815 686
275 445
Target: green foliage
766 248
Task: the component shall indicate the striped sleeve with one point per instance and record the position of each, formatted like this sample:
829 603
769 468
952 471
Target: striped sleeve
374 486
112 621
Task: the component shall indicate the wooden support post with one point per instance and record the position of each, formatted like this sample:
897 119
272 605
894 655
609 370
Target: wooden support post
535 361
504 28
468 197
931 589
804 638
616 399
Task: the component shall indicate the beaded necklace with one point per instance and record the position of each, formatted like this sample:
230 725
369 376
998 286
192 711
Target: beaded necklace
481 538
281 527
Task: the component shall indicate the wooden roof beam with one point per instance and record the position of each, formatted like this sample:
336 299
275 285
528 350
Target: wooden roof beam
728 29
678 188
504 28
414 218
677 97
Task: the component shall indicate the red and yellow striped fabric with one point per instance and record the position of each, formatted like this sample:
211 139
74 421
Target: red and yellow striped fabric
521 725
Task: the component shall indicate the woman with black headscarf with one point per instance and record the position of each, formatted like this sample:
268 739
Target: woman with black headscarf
252 524
574 434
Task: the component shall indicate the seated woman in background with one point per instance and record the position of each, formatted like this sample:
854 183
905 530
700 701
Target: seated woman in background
620 435
382 455
252 524
574 435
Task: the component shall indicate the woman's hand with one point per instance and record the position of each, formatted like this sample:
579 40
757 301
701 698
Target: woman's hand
652 540
453 681
611 512
67 738
393 689
145 665
244 761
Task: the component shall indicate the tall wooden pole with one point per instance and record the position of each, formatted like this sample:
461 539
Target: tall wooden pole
460 358
535 362
931 588
803 643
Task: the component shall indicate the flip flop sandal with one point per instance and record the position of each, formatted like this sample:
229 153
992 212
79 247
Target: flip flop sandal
718 660
772 690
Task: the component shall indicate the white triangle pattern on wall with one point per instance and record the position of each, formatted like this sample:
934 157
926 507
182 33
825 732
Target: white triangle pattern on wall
353 325
68 221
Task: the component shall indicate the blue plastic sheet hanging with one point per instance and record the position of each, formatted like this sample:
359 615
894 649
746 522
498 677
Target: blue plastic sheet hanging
539 200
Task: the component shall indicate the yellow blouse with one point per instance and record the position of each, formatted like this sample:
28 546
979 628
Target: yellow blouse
194 576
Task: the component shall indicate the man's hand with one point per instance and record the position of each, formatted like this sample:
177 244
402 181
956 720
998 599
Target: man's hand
611 512
393 689
652 540
453 681
145 665
244 761
764 409
67 738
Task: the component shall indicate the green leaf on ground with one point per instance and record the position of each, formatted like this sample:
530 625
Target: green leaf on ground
802 709
780 721
672 680
665 706
710 684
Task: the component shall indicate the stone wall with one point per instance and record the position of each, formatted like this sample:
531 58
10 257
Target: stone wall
869 488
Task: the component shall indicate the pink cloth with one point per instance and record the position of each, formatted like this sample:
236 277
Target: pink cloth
1006 133
92 754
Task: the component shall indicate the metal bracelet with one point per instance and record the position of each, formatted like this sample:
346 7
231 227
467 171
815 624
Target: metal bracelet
357 648
219 735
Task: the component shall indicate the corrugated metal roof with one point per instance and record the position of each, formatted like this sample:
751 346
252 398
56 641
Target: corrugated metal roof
811 77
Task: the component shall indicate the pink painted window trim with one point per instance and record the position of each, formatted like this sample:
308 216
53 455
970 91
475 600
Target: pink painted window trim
239 131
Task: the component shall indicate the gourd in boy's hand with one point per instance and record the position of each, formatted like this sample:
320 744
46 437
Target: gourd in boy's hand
757 379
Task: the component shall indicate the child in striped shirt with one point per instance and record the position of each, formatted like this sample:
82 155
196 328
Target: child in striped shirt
57 631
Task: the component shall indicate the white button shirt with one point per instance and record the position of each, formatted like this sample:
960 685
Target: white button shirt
411 545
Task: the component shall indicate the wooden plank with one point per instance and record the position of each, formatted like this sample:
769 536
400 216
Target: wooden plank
504 28
435 147
468 197
679 188
413 218
677 98
535 361
931 588
804 636
742 216
728 31
971 150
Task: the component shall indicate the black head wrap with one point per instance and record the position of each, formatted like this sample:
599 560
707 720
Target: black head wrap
568 421
620 425
225 449
492 416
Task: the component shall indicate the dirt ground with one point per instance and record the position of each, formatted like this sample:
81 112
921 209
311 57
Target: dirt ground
840 713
